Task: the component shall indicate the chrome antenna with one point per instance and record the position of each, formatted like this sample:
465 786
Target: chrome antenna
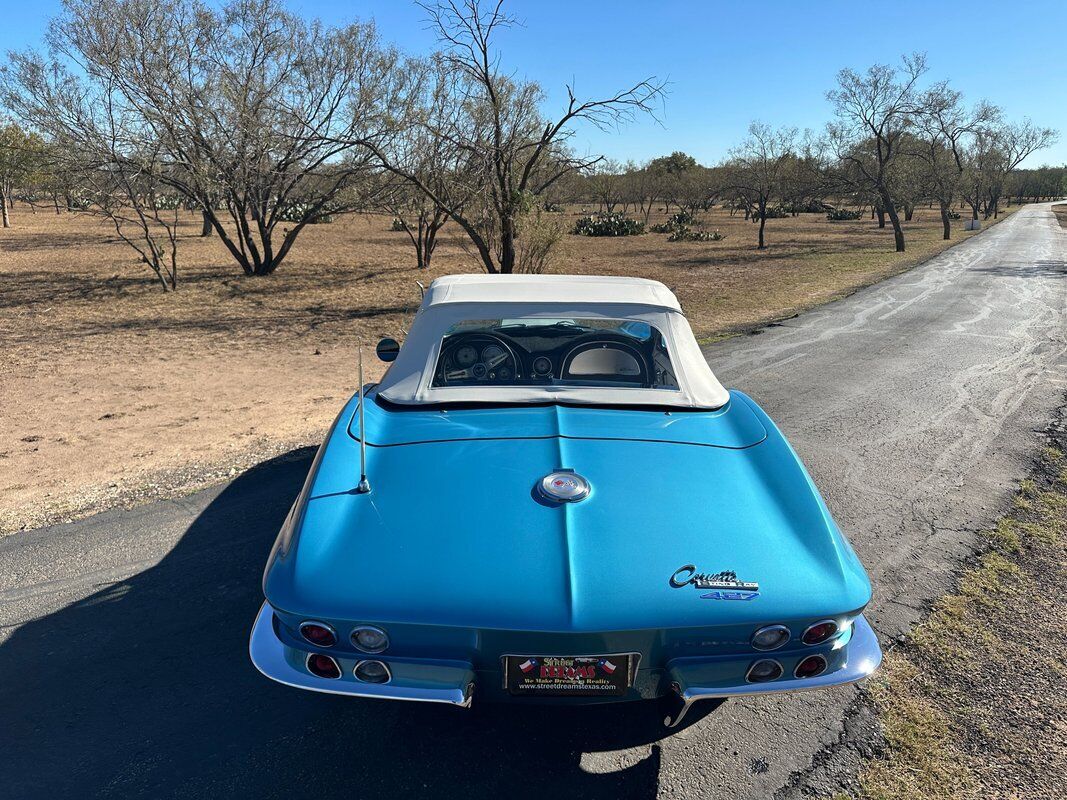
364 485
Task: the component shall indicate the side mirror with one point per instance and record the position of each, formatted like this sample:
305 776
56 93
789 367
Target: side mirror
388 350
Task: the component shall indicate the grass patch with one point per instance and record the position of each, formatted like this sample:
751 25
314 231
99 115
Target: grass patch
970 702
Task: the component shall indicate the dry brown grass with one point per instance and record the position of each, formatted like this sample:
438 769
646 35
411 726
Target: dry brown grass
973 705
1061 214
108 383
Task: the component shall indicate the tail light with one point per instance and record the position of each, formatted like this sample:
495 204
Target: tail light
369 639
819 632
810 667
371 671
766 669
770 637
323 666
318 633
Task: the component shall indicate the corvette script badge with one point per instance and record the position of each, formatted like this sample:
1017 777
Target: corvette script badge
722 585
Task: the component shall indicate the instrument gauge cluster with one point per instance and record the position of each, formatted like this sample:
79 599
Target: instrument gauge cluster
466 355
542 366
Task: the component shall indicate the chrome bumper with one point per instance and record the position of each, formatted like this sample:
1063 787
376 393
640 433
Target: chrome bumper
419 682
857 656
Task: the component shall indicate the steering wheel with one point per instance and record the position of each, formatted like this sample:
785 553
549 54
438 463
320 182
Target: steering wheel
478 357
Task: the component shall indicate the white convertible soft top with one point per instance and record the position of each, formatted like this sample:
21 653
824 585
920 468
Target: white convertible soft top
457 298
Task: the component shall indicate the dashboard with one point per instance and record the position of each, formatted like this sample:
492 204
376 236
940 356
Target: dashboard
547 355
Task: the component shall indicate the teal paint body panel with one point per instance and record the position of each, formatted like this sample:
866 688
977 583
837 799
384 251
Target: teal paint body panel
458 558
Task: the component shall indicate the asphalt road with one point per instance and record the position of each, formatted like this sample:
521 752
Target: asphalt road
916 404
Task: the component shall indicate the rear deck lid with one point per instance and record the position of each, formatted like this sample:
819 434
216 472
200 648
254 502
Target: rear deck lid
734 425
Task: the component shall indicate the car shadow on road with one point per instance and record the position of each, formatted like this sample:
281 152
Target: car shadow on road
144 689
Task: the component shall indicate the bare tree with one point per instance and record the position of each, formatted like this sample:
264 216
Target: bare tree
245 106
872 112
21 155
418 215
642 187
758 168
942 133
1013 144
992 154
669 172
511 151
805 180
694 189
143 218
607 184
117 181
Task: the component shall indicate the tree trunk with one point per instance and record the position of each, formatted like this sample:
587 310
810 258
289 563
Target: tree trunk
3 202
946 222
420 252
507 246
890 209
205 228
881 217
909 212
437 220
762 223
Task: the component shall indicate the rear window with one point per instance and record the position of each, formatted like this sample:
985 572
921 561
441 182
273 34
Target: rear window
614 353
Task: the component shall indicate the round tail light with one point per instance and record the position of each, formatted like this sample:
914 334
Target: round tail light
369 639
318 633
770 637
372 672
810 667
323 666
820 632
766 669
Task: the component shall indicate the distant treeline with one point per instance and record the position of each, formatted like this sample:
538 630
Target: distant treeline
264 122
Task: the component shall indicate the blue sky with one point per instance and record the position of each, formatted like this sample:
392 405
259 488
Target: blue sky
730 63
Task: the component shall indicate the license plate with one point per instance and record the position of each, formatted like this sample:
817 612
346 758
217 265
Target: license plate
578 676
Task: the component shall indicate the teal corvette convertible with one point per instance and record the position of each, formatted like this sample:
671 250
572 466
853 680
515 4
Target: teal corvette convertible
550 498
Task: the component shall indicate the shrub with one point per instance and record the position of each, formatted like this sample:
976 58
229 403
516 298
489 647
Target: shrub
686 234
838 214
294 212
608 225
553 208
777 213
807 207
168 202
397 225
953 214
674 222
537 245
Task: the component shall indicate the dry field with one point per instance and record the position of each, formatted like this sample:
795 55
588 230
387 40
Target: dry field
111 390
